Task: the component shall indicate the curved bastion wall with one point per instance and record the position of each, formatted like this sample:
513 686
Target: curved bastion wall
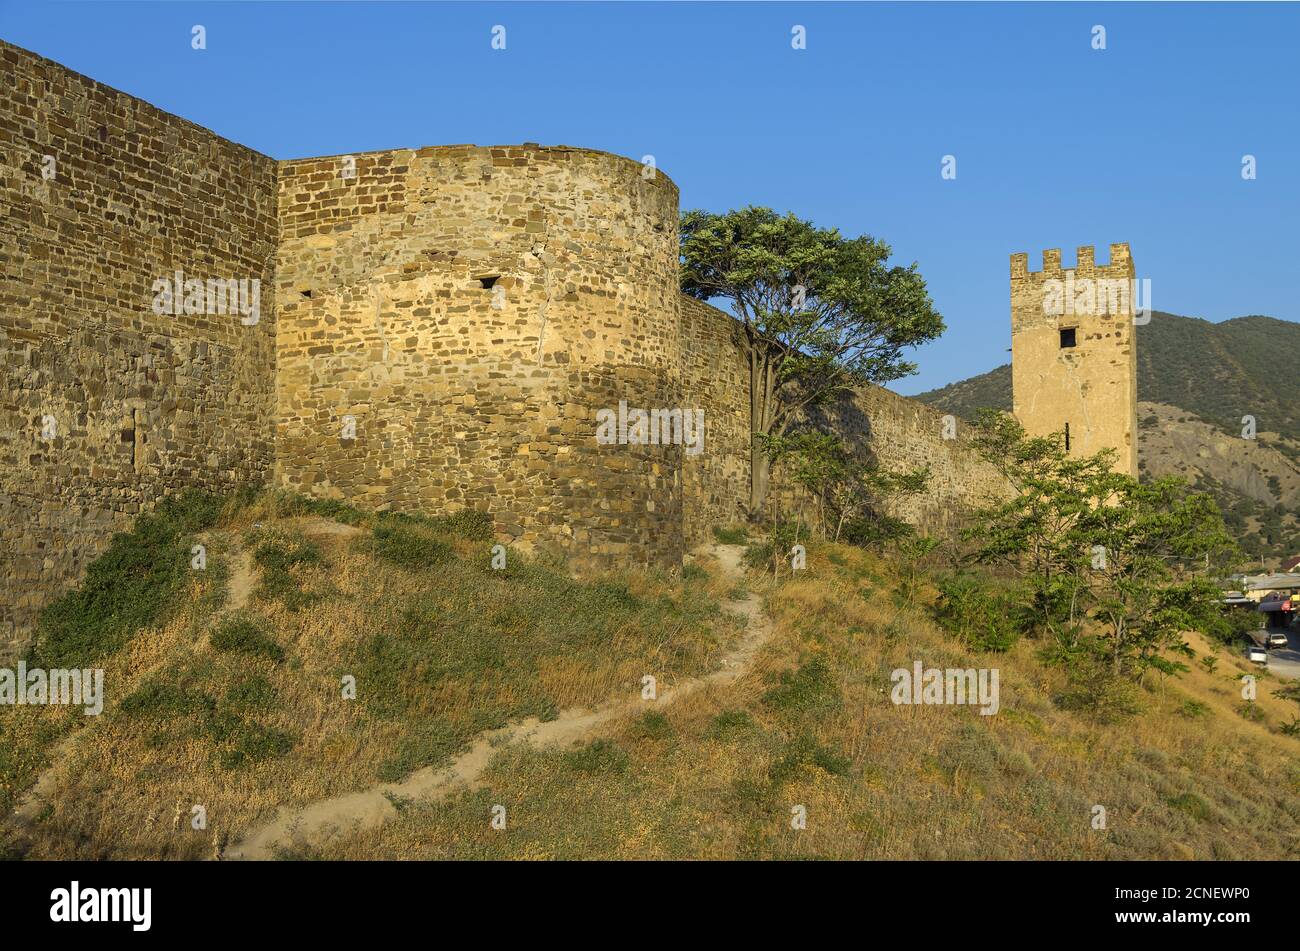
452 319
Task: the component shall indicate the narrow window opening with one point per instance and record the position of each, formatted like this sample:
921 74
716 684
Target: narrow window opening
1067 337
1067 437
306 293
489 281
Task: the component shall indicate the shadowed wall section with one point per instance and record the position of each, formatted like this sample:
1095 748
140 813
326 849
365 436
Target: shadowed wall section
715 375
900 434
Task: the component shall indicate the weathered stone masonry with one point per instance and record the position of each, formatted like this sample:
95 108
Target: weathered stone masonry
140 404
471 309
468 309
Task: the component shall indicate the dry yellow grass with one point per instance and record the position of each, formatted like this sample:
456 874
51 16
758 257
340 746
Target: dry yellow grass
124 784
717 776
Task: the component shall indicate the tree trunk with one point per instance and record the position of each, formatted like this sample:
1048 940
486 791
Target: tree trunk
1120 634
760 469
762 379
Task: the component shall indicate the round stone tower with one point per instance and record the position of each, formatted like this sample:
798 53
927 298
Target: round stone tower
452 320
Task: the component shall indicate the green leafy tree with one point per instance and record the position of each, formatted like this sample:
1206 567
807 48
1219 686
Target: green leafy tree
1148 543
1034 533
1119 570
821 313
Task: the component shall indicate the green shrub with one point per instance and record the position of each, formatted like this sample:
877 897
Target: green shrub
600 756
135 584
332 509
409 545
734 535
1191 804
874 531
772 553
160 698
237 740
281 555
729 723
253 743
241 741
1233 625
1251 711
468 523
809 690
426 744
758 554
693 572
253 693
759 794
287 504
975 612
240 635
277 557
612 595
1095 691
653 725
752 794
802 751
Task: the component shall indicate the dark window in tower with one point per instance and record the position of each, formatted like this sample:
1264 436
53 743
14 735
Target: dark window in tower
1067 432
1067 337
488 281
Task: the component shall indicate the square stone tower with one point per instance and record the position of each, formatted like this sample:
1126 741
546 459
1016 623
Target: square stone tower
1073 352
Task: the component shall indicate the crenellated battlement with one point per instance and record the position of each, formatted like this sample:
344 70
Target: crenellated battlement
1085 264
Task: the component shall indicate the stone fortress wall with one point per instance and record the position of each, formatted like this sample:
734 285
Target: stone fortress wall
104 404
472 309
438 329
1090 384
715 374
902 435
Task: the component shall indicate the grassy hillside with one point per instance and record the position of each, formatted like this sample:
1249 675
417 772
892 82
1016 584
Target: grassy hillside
1197 775
1196 380
224 691
1221 372
225 686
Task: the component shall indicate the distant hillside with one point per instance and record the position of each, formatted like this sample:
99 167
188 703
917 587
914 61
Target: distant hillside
1222 372
965 398
1196 380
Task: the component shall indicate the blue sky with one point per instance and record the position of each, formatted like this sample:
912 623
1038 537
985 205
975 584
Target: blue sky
1057 144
